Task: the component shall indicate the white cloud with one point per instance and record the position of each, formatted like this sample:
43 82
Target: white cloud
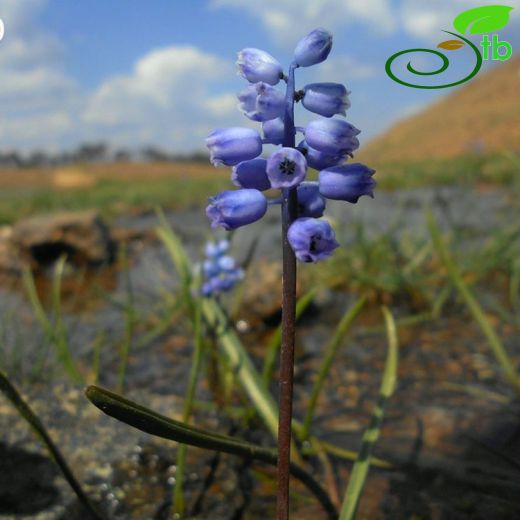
168 93
172 97
222 106
287 20
36 95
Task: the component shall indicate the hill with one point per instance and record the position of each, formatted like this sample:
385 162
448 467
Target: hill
483 115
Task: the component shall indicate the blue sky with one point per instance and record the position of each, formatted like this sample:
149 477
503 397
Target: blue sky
159 72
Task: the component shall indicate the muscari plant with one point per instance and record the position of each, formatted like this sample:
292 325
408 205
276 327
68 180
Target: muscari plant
326 144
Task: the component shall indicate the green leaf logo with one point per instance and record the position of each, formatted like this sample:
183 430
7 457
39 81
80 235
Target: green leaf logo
481 20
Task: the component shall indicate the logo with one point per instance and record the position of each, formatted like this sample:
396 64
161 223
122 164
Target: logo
480 20
2 29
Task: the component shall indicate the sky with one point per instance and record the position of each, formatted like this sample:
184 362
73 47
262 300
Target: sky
135 73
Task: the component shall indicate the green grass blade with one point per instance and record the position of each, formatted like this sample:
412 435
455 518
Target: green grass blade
276 339
362 464
242 365
54 332
130 317
176 250
178 496
156 424
34 422
494 341
330 353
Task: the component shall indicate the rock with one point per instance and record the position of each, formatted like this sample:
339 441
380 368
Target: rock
262 300
39 241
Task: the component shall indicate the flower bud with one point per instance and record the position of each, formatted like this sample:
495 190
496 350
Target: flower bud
210 268
313 48
319 160
233 209
216 249
261 102
326 99
230 146
310 201
274 131
331 136
347 182
311 239
226 263
256 65
286 168
251 174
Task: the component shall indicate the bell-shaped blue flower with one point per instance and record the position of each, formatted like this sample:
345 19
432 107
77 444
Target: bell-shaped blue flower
251 174
326 99
347 182
311 239
261 102
319 160
256 65
233 209
310 202
331 136
313 48
286 168
273 131
233 145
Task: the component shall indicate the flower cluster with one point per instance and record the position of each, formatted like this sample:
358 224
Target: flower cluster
219 270
326 144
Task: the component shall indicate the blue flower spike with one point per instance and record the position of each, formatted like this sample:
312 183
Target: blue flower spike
219 270
327 144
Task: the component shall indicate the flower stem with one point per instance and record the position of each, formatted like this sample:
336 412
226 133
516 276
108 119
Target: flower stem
289 214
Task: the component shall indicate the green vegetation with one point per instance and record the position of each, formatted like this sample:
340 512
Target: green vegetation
498 168
110 196
115 193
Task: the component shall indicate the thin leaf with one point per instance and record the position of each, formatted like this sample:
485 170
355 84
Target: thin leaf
54 331
480 20
156 424
34 422
494 341
362 464
451 45
242 365
178 496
